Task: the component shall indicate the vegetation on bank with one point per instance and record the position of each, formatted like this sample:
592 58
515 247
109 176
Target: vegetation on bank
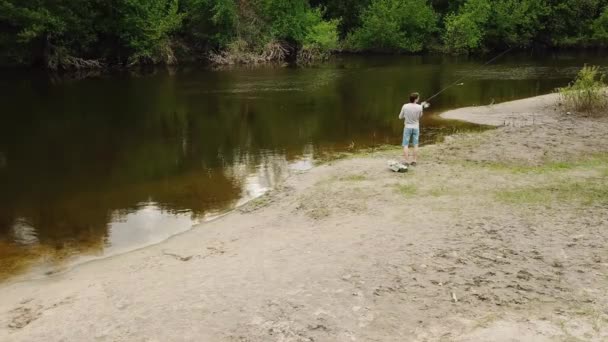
586 94
65 34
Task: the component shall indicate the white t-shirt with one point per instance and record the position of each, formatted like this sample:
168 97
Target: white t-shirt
411 112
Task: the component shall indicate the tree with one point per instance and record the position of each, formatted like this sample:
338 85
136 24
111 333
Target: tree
394 25
348 12
465 31
144 26
210 24
570 20
600 28
515 22
39 31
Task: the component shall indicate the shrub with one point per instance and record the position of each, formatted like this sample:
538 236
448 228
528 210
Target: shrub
600 28
321 38
210 23
587 93
515 22
465 31
569 21
45 31
288 20
394 25
321 34
462 33
144 28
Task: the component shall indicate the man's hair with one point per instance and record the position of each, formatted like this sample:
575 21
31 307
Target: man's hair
414 97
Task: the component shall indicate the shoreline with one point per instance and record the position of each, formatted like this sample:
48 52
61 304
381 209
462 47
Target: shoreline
329 256
523 112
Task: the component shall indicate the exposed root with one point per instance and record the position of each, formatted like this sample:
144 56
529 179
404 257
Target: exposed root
67 62
240 53
310 54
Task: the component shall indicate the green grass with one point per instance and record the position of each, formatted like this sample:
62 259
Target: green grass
407 189
444 190
353 178
599 160
585 192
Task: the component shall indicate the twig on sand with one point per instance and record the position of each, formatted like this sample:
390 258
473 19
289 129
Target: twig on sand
179 257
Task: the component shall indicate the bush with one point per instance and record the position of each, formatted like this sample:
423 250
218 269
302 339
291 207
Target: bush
144 28
587 94
39 31
515 22
288 20
321 34
321 38
600 28
394 25
287 27
462 33
210 23
569 21
465 31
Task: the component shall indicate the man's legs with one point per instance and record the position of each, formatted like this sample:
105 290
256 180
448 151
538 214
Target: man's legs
416 134
407 133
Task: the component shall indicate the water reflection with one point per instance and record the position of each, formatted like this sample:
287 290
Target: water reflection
108 164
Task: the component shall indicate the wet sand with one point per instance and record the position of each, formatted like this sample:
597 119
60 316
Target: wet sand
494 236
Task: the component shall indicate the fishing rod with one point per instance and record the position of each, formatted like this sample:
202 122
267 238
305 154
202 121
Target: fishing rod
464 77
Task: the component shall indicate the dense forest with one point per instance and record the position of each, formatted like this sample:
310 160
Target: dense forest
66 34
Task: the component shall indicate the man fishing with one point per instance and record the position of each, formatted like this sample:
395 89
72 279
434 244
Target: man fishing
412 112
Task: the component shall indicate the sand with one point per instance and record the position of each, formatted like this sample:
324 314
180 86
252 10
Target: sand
494 236
530 111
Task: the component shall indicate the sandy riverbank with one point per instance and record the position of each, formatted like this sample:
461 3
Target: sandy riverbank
495 236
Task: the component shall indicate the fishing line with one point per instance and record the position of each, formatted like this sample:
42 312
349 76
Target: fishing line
469 75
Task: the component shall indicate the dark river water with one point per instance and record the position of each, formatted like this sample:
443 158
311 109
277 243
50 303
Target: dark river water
111 163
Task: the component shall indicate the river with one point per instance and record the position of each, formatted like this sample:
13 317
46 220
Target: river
111 163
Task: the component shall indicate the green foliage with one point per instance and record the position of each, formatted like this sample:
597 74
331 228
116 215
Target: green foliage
587 93
348 12
515 22
59 33
394 25
32 30
462 33
288 19
600 28
570 21
465 31
322 34
48 31
210 23
144 26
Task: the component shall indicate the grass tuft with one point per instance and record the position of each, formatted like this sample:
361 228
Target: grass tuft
587 192
407 189
587 93
598 160
353 178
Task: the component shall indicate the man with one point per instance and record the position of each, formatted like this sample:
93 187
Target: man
412 112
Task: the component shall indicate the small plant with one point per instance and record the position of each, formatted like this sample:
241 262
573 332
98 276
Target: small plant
587 94
353 178
407 189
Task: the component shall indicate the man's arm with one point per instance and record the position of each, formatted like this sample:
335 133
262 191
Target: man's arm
423 106
402 113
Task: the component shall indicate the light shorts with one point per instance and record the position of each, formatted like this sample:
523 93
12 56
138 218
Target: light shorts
408 133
